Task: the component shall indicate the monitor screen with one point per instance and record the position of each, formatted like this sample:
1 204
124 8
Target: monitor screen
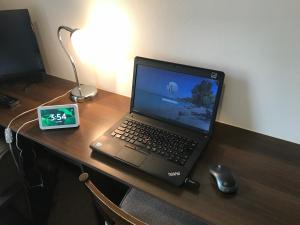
19 55
182 98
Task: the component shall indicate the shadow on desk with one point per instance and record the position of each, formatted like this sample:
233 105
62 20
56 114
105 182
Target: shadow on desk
146 178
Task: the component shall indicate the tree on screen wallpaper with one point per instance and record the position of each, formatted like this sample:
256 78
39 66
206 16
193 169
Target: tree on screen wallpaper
202 95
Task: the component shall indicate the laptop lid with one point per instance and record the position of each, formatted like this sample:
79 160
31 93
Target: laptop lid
181 95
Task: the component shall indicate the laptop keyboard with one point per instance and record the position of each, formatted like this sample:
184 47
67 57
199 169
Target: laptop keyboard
168 145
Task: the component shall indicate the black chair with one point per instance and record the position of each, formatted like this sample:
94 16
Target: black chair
138 208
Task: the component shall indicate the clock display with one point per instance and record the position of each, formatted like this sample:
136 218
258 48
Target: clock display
54 117
59 116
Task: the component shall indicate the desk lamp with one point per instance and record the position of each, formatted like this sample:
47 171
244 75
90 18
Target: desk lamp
81 92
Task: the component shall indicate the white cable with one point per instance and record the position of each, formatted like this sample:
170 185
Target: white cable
30 110
14 157
24 124
8 132
21 151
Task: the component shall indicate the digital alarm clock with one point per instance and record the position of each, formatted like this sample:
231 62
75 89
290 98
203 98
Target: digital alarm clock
58 116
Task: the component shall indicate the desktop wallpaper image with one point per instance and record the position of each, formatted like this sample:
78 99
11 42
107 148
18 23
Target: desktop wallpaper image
175 96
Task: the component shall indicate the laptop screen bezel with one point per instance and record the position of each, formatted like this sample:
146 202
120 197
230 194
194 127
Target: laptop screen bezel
179 68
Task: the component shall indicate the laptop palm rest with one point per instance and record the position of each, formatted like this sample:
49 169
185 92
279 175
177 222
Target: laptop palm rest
133 157
105 145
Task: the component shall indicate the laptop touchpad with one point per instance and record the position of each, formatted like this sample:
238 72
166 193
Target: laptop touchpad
131 156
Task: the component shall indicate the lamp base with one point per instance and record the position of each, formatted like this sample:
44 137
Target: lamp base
83 93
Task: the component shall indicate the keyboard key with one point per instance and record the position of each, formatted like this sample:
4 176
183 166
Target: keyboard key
182 162
168 145
119 132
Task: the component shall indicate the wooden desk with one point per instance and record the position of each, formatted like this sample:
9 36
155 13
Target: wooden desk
267 168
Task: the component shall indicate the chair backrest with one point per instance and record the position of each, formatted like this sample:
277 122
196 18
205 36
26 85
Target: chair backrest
111 211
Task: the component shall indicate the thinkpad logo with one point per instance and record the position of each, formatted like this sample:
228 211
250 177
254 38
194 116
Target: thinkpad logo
173 174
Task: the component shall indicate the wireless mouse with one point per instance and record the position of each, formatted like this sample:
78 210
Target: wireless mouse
224 179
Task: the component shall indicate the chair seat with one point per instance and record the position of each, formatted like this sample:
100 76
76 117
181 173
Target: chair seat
154 211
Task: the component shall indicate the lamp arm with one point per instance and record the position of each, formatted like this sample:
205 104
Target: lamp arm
67 53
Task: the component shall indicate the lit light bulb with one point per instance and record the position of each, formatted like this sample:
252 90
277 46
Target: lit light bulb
105 42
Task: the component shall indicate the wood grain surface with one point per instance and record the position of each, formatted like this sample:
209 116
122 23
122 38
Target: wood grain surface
267 169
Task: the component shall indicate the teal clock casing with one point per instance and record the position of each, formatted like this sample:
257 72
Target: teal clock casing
58 116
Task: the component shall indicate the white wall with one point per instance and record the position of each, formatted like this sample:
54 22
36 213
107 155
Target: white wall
255 42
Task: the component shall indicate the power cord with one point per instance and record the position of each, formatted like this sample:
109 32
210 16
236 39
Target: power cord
191 184
41 184
30 110
8 133
23 125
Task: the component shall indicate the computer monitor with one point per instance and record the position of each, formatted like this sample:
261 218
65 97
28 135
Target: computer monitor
19 53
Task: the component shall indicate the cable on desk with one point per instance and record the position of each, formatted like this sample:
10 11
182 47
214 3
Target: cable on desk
8 133
30 110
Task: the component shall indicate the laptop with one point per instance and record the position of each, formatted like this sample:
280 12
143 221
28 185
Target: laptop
172 113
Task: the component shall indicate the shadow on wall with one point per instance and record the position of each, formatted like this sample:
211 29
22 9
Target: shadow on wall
236 109
41 30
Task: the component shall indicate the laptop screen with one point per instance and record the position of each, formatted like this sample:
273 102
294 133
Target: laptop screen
187 99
